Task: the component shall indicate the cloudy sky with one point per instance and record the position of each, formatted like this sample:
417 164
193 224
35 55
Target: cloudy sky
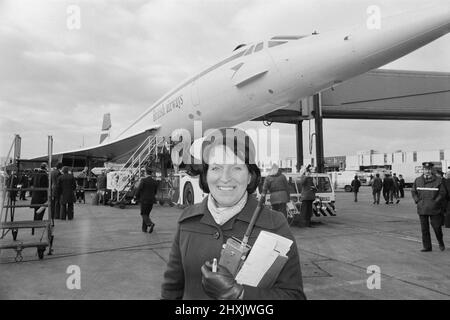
59 80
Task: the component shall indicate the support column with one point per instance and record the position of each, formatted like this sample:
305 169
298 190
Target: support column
319 133
299 143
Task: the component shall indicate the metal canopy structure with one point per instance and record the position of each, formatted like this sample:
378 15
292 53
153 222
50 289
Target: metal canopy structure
380 94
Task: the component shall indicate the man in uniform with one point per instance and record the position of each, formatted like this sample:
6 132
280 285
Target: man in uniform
428 192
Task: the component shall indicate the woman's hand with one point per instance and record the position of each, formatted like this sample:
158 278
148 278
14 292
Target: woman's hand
220 285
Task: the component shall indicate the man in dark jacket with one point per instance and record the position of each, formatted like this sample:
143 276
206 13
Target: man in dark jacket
308 195
39 197
388 188
66 187
276 184
428 192
55 199
146 192
356 184
377 185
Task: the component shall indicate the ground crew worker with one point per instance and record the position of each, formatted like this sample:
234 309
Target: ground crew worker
377 185
356 184
308 195
428 192
146 192
276 184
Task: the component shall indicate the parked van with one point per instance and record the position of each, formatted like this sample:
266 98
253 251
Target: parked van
343 179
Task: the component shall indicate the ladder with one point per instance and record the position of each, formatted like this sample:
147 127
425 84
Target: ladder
8 205
131 171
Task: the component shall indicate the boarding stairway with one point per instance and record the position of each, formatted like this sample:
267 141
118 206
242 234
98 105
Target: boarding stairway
9 204
132 170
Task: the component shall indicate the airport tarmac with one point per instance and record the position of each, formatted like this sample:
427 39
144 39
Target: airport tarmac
118 261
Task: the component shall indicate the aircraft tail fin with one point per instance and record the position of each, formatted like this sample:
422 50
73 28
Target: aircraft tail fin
106 127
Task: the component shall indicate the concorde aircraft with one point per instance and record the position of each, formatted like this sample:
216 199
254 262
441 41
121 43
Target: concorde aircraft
260 77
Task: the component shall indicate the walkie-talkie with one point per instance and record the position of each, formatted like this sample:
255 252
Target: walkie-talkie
235 251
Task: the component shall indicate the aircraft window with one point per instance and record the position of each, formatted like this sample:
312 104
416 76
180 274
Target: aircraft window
259 46
276 43
249 51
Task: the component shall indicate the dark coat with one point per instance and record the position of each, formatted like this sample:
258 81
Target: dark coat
396 181
278 187
377 184
146 190
199 239
54 178
308 189
356 184
39 180
388 184
66 187
401 184
428 195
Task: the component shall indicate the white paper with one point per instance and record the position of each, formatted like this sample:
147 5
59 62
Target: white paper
267 247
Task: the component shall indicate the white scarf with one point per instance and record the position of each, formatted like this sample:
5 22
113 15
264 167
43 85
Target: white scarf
222 214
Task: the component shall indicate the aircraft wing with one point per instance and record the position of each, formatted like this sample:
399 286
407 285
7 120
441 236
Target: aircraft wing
115 151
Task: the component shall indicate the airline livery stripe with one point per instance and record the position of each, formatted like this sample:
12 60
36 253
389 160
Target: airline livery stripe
428 189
